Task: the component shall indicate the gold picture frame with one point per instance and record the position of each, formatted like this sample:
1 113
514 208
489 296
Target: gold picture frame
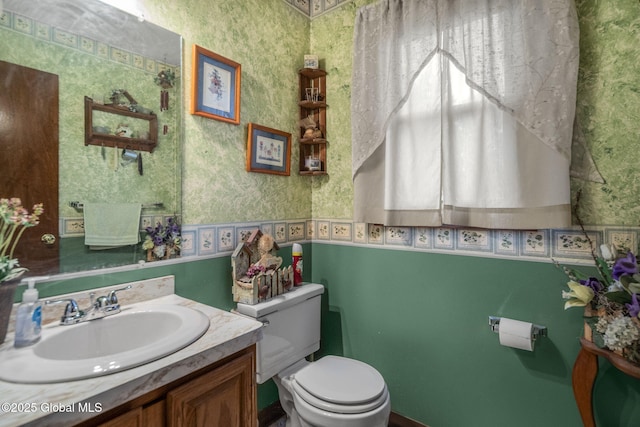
268 150
215 86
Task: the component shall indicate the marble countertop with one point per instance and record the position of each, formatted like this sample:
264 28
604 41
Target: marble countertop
63 404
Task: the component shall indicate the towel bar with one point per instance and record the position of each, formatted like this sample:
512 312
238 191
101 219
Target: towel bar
80 206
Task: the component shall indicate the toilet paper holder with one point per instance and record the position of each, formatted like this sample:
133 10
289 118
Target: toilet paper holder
537 330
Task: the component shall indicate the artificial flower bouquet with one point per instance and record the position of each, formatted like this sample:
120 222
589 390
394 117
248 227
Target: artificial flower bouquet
614 299
162 241
14 219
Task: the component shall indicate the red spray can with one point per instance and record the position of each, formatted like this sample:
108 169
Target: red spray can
296 253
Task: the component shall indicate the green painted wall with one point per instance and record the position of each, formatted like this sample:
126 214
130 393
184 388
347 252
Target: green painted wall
422 320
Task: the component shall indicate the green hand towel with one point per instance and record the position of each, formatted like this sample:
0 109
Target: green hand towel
110 225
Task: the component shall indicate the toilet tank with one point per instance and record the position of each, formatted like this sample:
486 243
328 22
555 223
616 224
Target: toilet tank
291 331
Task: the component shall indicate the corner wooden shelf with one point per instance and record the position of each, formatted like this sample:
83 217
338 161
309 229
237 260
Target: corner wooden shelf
316 109
108 140
311 105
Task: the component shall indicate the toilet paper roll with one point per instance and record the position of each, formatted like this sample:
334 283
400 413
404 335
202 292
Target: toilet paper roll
516 334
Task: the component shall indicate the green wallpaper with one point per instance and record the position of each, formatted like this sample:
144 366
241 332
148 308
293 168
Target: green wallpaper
214 152
332 40
85 174
269 39
216 187
608 101
609 104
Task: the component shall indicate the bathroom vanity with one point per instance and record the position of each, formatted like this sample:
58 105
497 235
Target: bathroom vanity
221 394
209 382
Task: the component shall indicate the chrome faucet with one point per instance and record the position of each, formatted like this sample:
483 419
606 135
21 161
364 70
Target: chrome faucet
103 306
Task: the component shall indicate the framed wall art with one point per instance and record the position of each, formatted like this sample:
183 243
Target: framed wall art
216 86
268 150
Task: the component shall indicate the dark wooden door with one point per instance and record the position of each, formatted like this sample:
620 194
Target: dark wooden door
29 158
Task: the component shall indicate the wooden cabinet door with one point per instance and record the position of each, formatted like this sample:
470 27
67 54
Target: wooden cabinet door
133 418
224 397
154 415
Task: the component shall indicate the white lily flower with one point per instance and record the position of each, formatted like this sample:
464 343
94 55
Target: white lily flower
579 296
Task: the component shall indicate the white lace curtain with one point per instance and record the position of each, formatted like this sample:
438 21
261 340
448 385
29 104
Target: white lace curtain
463 111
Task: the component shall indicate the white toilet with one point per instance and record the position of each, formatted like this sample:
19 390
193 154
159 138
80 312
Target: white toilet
330 392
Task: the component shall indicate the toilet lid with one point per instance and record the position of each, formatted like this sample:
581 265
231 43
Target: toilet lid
341 381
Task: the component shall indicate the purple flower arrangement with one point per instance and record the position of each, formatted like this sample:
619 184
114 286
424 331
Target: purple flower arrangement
255 269
162 239
614 297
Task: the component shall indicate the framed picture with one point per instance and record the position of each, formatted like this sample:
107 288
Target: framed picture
216 86
268 150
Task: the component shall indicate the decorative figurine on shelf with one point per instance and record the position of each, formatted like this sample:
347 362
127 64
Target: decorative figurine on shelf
311 61
115 97
124 131
312 163
265 248
310 127
165 79
257 275
120 97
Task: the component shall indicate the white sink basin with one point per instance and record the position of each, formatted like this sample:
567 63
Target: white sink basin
135 336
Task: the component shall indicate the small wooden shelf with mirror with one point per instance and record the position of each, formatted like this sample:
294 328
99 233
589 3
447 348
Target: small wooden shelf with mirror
313 106
92 136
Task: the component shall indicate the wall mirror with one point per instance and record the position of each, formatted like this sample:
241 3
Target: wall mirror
92 50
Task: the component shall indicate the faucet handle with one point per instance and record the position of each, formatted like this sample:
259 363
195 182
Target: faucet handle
71 311
102 302
113 299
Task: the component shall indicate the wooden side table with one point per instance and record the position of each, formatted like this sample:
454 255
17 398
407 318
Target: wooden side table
585 370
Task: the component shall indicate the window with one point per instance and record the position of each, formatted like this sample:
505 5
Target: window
470 131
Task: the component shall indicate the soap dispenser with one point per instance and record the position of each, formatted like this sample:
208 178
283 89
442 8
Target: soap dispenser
28 317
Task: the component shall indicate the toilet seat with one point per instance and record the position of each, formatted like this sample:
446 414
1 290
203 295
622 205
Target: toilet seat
340 385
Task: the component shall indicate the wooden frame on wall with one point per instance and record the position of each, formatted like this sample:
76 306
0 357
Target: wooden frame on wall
268 150
215 86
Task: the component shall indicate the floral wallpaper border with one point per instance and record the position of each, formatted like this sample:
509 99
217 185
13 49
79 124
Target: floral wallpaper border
222 239
568 245
315 8
44 32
